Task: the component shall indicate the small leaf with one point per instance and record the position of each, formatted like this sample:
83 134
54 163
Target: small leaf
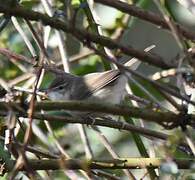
75 3
29 4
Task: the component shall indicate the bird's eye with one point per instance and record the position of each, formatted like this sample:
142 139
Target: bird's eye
60 87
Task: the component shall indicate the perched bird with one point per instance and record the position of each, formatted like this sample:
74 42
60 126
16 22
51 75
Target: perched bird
105 87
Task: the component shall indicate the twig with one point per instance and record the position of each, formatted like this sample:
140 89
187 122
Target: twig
189 4
61 43
19 65
122 163
94 24
171 72
144 113
145 15
31 110
62 151
13 55
152 98
83 134
25 38
154 83
37 39
106 175
19 79
81 34
106 123
29 91
142 101
189 141
82 55
34 150
179 39
99 122
110 149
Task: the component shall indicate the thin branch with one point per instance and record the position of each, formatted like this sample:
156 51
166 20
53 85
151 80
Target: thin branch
60 39
189 141
145 15
154 83
19 79
144 113
106 175
85 140
15 56
99 122
188 4
94 22
37 38
85 36
24 36
28 133
34 150
122 163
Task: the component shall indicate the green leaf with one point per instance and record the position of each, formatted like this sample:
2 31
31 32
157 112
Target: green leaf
29 4
75 3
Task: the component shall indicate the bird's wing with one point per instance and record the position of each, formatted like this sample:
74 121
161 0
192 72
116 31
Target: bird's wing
96 81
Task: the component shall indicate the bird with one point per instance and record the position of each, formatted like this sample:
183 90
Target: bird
106 87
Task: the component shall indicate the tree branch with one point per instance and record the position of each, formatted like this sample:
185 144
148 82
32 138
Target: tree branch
74 164
146 15
83 35
161 118
105 122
